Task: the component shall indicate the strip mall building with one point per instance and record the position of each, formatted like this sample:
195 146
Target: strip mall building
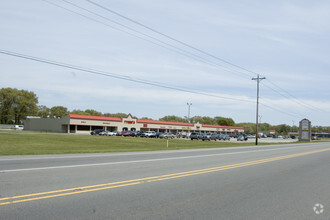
80 124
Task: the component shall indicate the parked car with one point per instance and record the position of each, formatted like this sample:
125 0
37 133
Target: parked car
108 133
113 133
103 133
138 133
158 134
19 127
222 137
167 135
225 137
119 133
242 138
127 133
206 136
97 131
142 134
214 137
150 134
195 135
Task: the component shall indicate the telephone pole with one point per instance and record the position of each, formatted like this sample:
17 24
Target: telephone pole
257 113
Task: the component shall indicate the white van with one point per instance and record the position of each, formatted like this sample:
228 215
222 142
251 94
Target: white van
19 127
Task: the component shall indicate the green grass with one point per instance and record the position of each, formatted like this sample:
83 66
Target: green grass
23 143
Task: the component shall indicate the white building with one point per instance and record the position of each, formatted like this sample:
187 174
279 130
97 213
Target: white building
85 124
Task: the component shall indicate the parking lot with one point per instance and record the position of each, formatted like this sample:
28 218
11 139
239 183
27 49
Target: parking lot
193 136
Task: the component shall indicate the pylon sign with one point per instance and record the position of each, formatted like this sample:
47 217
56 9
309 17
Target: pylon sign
305 130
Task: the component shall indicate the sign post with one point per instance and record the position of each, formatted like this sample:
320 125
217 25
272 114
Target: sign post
305 130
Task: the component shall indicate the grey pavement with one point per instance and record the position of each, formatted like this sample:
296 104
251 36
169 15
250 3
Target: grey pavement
287 188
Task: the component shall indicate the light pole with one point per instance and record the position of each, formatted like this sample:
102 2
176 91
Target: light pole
257 112
189 104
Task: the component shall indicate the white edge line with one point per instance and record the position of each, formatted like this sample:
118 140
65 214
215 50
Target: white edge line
141 161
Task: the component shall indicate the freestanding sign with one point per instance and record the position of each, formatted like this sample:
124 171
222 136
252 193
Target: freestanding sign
305 131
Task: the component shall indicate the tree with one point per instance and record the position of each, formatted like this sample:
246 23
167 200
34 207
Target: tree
116 115
224 121
249 128
78 112
282 129
7 103
265 127
173 118
146 118
16 104
203 120
93 112
58 111
26 105
43 111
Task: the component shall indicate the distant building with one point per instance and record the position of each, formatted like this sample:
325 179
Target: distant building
270 132
85 124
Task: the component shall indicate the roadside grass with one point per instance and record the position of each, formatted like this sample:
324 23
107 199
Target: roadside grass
22 143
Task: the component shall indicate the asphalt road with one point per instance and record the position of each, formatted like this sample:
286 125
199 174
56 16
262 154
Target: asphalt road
264 182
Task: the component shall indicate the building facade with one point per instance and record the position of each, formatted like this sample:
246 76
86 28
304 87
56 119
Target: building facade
81 124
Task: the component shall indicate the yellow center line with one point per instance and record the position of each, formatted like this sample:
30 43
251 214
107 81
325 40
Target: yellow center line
92 188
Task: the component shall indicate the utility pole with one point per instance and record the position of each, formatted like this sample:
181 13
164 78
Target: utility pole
189 104
257 113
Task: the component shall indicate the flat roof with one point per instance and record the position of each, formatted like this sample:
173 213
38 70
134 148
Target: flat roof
90 117
164 122
144 121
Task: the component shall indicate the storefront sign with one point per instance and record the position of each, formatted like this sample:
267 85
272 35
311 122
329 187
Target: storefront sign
129 122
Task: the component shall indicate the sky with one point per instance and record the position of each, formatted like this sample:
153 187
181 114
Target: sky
151 58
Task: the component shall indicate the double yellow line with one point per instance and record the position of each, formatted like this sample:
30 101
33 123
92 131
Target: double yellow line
92 188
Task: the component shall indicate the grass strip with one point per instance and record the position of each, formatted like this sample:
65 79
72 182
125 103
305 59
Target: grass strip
35 144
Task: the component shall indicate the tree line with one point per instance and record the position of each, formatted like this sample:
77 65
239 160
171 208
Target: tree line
16 105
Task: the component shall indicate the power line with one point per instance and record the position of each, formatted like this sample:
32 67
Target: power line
167 45
173 39
117 76
295 115
294 98
162 43
203 52
128 78
118 29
